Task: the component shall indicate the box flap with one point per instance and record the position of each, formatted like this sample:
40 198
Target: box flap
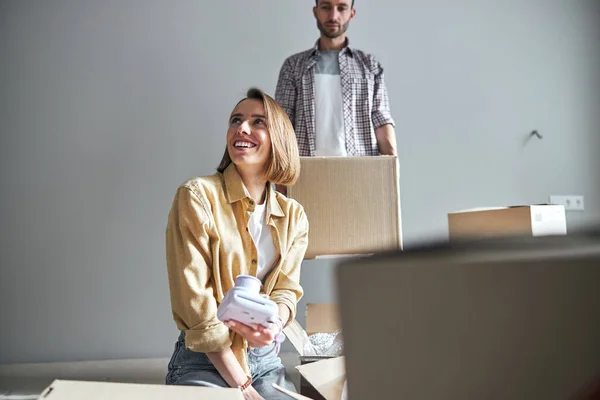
296 335
322 318
326 376
293 395
532 205
341 256
478 209
77 390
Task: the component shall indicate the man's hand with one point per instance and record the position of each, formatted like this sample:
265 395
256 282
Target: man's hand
257 336
386 140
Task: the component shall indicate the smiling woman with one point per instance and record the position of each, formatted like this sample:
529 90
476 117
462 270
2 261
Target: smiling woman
233 223
258 122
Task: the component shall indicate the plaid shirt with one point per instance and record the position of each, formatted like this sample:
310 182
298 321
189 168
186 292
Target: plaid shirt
364 98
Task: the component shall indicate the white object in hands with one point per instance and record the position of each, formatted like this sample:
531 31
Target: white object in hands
244 303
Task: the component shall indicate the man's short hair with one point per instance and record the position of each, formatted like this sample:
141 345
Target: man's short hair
317 3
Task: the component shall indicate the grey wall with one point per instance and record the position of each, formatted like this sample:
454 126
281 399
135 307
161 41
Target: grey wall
105 107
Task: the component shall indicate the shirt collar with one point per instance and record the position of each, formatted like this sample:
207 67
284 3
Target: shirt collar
347 48
273 207
234 187
236 191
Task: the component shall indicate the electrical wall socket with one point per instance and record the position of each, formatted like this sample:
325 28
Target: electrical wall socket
571 202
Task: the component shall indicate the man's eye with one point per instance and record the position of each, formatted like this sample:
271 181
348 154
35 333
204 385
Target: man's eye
235 120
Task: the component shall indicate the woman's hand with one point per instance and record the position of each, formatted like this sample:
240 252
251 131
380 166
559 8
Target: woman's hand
251 394
257 336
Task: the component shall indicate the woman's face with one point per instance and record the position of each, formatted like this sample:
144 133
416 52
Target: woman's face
248 140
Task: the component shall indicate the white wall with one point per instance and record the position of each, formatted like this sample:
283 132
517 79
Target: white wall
105 107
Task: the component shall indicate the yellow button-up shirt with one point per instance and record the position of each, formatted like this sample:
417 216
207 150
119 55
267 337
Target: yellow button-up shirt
208 246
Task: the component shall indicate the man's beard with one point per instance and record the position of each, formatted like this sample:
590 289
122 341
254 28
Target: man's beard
332 35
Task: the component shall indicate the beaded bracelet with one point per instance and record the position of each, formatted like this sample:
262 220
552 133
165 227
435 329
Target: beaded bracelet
246 384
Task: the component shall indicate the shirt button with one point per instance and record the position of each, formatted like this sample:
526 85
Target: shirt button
246 229
253 261
251 202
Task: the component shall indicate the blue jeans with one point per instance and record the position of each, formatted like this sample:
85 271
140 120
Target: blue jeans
191 368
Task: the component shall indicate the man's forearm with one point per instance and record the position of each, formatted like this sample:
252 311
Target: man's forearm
228 366
386 140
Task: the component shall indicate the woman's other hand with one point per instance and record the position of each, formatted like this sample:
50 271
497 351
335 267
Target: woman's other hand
257 336
251 394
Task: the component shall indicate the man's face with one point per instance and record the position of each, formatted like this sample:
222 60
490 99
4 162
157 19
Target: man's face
333 17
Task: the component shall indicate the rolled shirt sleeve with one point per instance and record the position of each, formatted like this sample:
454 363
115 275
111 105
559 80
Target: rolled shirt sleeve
189 266
380 114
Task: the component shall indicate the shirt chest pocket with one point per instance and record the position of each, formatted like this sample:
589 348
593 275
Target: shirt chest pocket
362 93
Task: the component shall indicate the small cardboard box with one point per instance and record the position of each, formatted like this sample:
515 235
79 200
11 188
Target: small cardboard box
352 204
320 375
531 220
76 390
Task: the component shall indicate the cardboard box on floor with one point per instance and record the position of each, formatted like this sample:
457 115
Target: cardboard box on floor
534 220
322 377
76 390
352 204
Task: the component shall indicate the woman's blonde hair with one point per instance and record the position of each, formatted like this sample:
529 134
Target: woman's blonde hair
284 163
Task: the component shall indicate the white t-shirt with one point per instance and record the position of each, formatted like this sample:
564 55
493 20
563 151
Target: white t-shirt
330 138
263 240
